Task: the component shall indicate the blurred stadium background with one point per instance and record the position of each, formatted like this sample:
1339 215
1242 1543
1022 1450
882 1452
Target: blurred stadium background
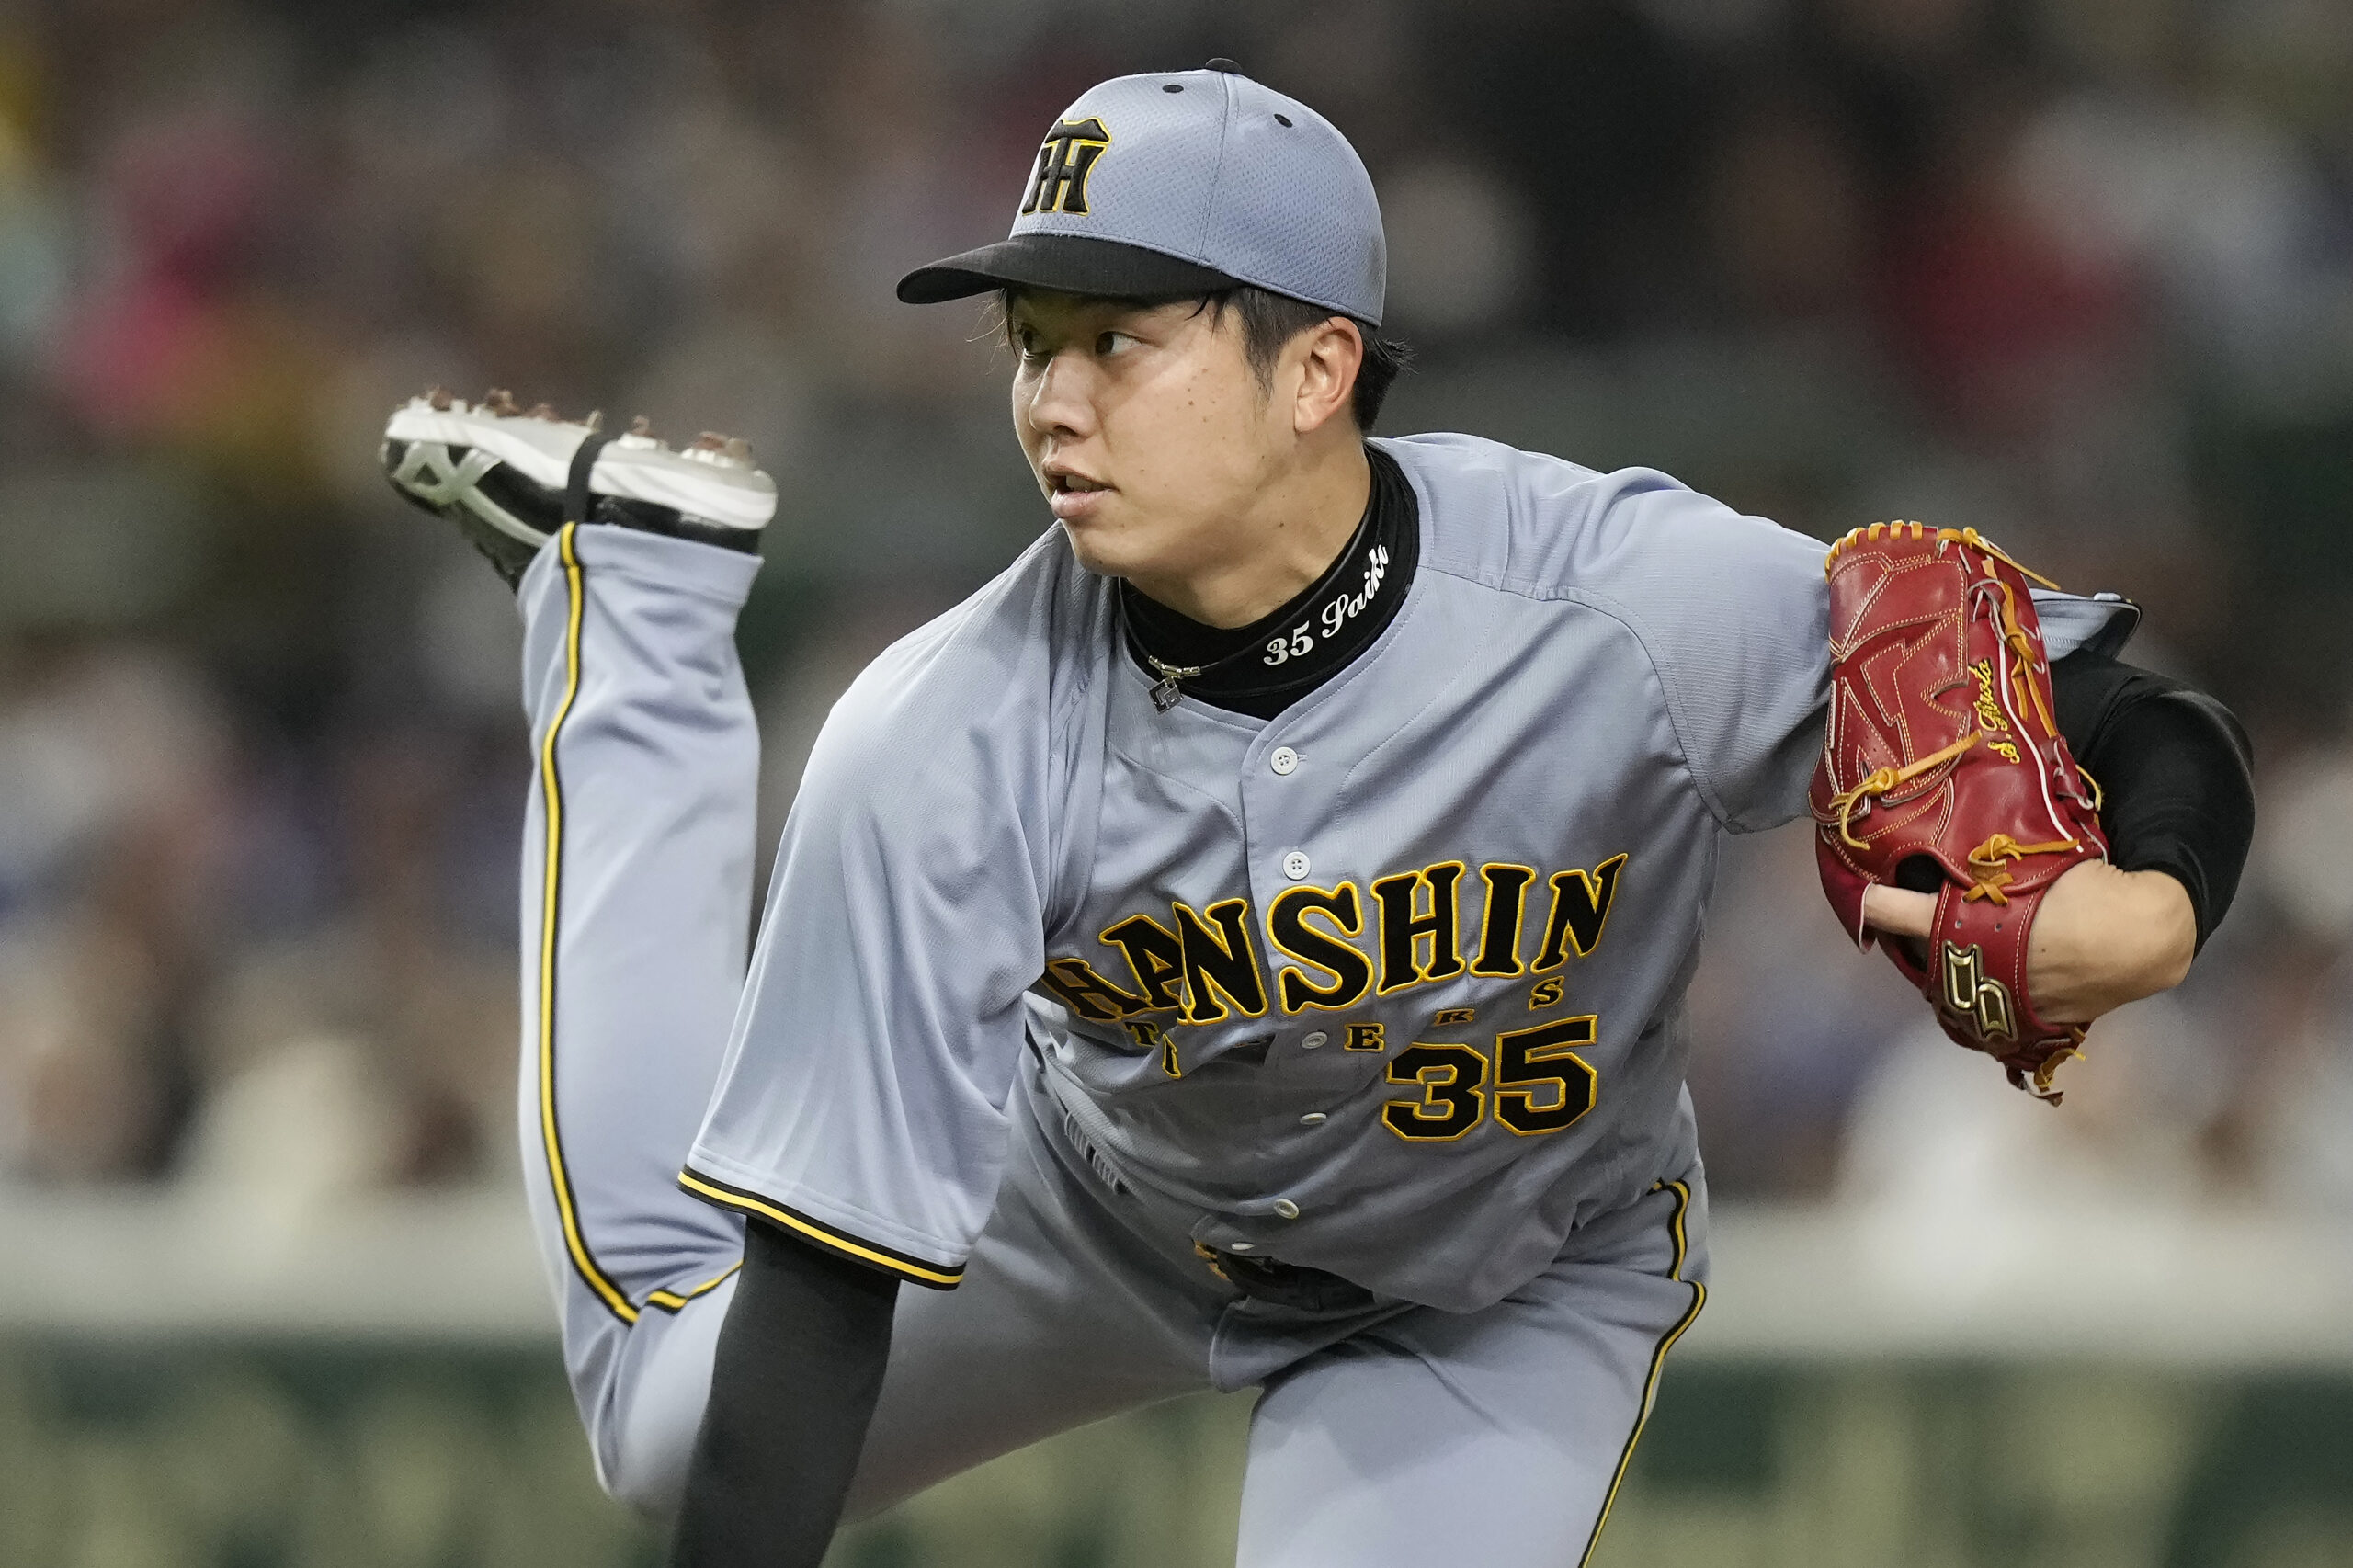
2079 272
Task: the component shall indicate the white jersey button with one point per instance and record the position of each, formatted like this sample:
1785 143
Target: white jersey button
1283 760
1295 865
1313 1118
1240 1247
1286 1208
1315 1040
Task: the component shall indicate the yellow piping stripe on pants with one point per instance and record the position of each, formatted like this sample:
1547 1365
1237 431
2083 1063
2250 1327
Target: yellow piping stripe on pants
552 792
1682 1191
672 1300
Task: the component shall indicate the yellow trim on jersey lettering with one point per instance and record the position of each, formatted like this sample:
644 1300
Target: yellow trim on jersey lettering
938 1278
1560 936
1403 1118
1320 901
1190 920
1086 995
1449 916
1155 987
1152 1039
1518 916
1682 1191
1509 1115
673 1301
584 1262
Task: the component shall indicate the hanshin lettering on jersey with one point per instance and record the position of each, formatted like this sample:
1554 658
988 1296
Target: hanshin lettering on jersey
1330 949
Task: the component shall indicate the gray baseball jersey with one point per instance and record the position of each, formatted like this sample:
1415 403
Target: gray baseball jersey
1081 1298
1120 1137
1387 987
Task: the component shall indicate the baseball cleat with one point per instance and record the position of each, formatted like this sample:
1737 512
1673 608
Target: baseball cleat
510 477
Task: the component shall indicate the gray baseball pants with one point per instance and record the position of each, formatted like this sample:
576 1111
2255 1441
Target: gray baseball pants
1387 1435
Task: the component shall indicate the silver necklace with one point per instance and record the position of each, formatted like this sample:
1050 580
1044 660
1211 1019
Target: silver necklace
1166 692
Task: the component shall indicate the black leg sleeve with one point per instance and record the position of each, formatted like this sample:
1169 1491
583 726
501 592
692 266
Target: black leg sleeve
2174 770
799 1364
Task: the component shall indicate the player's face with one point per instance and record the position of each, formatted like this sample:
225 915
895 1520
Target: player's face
1152 438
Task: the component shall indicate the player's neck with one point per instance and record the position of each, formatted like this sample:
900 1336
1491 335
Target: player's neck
1296 527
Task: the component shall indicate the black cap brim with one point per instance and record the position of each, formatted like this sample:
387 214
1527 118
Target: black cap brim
1067 264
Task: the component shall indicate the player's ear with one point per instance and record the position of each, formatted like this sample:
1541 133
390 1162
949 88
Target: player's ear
1330 354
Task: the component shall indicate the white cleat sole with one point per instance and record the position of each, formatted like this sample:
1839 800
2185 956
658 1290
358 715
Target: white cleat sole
705 484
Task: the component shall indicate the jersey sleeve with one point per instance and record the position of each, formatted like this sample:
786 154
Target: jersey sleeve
861 1104
2099 623
1735 616
1735 613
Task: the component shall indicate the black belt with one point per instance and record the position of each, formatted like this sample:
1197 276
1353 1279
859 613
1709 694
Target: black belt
1289 1285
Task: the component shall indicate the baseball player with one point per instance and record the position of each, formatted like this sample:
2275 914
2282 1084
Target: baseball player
1243 946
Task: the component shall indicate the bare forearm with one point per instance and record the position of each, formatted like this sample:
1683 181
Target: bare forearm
2179 814
2102 937
2108 937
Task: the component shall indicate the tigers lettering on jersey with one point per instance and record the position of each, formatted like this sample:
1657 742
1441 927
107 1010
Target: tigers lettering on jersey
1334 947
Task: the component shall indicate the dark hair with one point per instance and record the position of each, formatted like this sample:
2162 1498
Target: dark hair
1269 321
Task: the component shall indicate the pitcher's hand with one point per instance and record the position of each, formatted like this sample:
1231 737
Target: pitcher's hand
2102 937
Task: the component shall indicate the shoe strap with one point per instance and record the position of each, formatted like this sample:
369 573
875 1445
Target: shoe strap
575 488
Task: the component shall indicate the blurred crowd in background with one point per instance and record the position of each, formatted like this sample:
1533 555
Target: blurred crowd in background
2077 272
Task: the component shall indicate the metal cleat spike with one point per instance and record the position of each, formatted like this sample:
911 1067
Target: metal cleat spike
546 410
500 404
709 441
595 420
438 397
740 449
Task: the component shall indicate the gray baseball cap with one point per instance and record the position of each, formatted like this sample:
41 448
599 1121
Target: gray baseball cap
1180 183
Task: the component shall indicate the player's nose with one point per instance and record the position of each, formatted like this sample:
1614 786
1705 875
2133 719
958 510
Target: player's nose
1061 401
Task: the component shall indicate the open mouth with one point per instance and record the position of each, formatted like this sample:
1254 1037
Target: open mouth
1074 485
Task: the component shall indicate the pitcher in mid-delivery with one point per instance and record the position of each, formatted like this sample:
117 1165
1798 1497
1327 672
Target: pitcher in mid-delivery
1243 946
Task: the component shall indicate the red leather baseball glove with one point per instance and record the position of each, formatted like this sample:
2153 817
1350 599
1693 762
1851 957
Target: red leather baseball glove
1943 770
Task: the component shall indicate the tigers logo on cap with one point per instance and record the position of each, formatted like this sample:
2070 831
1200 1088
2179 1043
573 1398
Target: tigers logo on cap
1065 161
1217 182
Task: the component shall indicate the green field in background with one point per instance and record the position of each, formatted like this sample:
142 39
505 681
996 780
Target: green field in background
234 1455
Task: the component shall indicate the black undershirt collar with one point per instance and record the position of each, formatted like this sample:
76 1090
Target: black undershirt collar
1264 667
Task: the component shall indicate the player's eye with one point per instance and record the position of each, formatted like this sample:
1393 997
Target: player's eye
1111 342
1030 347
